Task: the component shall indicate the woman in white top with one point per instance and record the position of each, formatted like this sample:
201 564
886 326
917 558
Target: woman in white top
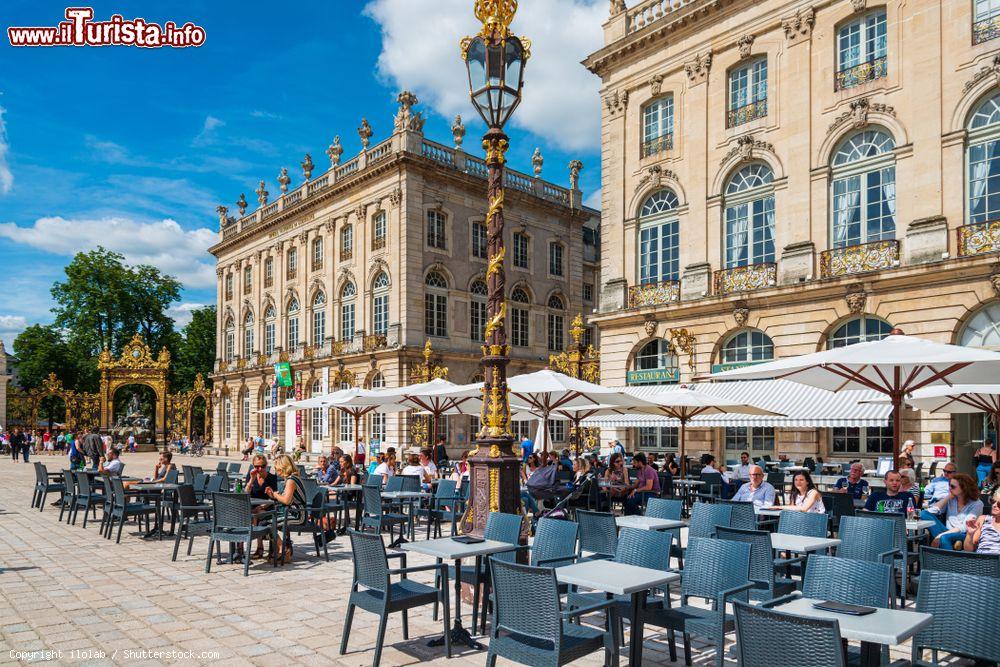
414 468
805 496
951 514
387 468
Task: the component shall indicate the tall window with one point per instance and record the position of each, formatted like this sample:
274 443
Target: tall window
376 420
245 414
269 272
519 317
986 22
747 93
479 240
657 437
863 329
436 305
316 416
265 419
755 439
228 282
380 304
248 341
293 324
556 337
292 262
750 216
227 417
378 230
318 252
230 340
347 322
557 430
861 50
319 318
247 279
555 258
864 189
984 161
436 230
747 347
269 317
477 310
346 242
658 126
520 251
658 238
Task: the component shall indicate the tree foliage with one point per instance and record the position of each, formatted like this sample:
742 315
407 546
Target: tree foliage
195 352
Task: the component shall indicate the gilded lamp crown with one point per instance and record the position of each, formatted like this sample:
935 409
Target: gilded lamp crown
496 16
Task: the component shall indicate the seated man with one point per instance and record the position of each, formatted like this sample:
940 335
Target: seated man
113 465
939 487
892 499
853 483
708 462
324 472
647 483
741 472
756 491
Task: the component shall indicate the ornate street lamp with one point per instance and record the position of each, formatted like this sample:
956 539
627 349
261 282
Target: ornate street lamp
495 59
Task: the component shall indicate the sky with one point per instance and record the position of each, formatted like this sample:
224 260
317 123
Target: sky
134 148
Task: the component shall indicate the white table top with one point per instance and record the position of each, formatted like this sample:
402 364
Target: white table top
915 525
689 482
342 487
647 523
794 468
446 548
764 511
800 543
886 626
405 495
611 577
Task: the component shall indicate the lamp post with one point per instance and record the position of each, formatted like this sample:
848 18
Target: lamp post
495 61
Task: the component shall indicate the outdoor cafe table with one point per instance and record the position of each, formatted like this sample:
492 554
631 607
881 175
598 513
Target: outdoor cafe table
889 627
408 497
918 525
619 579
447 549
801 543
346 488
159 489
648 523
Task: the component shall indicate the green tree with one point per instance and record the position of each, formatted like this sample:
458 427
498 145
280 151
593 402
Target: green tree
196 350
41 350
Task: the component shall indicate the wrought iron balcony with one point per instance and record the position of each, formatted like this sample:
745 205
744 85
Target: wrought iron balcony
374 342
746 113
268 281
317 264
657 145
861 258
290 274
346 254
378 242
978 238
745 278
849 77
654 294
985 30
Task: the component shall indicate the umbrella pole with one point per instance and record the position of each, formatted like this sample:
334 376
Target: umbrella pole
357 433
683 461
576 433
545 432
897 427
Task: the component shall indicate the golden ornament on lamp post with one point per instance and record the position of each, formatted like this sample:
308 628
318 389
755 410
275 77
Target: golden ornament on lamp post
425 372
495 60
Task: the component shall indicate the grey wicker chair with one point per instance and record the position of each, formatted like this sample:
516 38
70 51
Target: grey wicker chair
777 480
807 524
445 496
901 542
232 522
69 495
965 619
376 517
862 538
555 543
220 466
705 518
719 572
234 469
373 591
762 562
838 505
844 580
665 508
598 534
43 487
109 504
86 497
964 562
530 627
190 515
217 483
313 523
121 509
742 515
767 638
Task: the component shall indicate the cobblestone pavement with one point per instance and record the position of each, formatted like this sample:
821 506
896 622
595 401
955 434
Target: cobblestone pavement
65 589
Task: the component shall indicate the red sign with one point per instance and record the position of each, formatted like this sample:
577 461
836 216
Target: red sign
940 451
298 397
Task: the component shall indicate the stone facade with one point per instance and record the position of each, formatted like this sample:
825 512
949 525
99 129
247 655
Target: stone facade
397 222
765 85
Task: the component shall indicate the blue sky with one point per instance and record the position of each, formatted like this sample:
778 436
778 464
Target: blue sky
134 148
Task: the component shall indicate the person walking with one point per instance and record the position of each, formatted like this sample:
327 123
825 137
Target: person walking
93 447
984 457
17 442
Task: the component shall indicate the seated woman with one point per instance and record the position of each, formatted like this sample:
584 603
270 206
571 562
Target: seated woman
163 467
617 476
805 497
461 470
292 502
257 482
908 483
414 468
533 464
951 514
387 467
983 532
347 473
581 467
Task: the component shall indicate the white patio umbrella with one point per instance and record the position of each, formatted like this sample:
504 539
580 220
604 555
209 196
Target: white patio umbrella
895 366
959 399
438 396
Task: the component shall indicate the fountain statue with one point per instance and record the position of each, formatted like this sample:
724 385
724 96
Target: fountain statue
133 422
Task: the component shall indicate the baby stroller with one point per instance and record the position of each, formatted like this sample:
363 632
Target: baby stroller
553 495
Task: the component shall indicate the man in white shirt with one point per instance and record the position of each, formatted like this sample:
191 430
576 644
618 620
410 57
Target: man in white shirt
741 472
756 491
113 466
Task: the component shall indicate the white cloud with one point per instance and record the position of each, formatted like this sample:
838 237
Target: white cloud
207 134
181 313
6 176
179 252
593 200
12 323
560 102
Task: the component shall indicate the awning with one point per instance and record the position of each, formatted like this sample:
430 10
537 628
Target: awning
804 406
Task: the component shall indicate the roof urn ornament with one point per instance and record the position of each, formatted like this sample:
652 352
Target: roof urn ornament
365 132
284 179
537 161
241 204
335 151
574 174
307 166
262 194
405 118
458 131
223 220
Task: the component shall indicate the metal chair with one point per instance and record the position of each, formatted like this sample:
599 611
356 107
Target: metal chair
807 524
901 542
86 498
529 625
765 638
555 543
963 562
373 590
374 515
762 562
43 487
598 534
719 572
69 495
190 514
122 509
665 508
232 522
742 515
964 611
445 497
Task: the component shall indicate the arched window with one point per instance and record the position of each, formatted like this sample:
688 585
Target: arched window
519 327
477 310
346 242
654 363
319 319
436 305
750 216
984 161
293 323
248 337
864 189
983 328
380 303
747 347
658 238
556 335
230 340
269 317
347 311
658 126
859 330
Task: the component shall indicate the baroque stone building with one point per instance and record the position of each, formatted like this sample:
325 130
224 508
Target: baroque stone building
349 274
780 176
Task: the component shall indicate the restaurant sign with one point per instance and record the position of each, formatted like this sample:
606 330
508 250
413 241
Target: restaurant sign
719 368
653 376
